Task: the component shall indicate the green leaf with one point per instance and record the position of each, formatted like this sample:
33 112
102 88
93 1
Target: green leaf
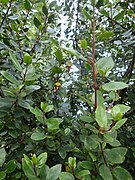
113 86
27 5
108 137
72 162
62 152
100 99
99 3
2 175
53 123
123 108
120 15
104 65
86 165
51 18
18 175
11 166
54 172
114 95
2 156
91 142
82 173
59 55
13 133
119 124
116 113
49 108
101 116
45 10
4 1
9 77
53 3
88 119
5 105
93 157
41 160
28 167
116 155
31 88
37 23
105 35
37 136
56 69
15 62
105 172
38 113
66 176
27 59
121 173
86 14
74 53
83 43
13 17
104 12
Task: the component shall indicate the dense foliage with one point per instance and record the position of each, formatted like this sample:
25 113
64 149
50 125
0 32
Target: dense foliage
67 90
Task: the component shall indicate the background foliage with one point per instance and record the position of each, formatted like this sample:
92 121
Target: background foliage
49 128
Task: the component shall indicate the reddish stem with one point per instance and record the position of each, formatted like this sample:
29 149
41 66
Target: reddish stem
93 58
103 154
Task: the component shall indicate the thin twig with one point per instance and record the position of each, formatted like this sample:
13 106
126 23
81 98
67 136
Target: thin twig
116 22
6 14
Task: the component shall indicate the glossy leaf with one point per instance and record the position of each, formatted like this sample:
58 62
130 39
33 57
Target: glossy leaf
9 77
59 55
36 136
72 162
74 53
38 113
123 108
15 62
28 167
119 124
27 59
41 160
82 173
120 15
101 116
51 18
121 173
53 123
105 172
27 5
91 142
2 156
116 113
83 43
45 10
106 35
117 155
66 176
104 65
11 166
37 23
88 119
113 86
54 172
